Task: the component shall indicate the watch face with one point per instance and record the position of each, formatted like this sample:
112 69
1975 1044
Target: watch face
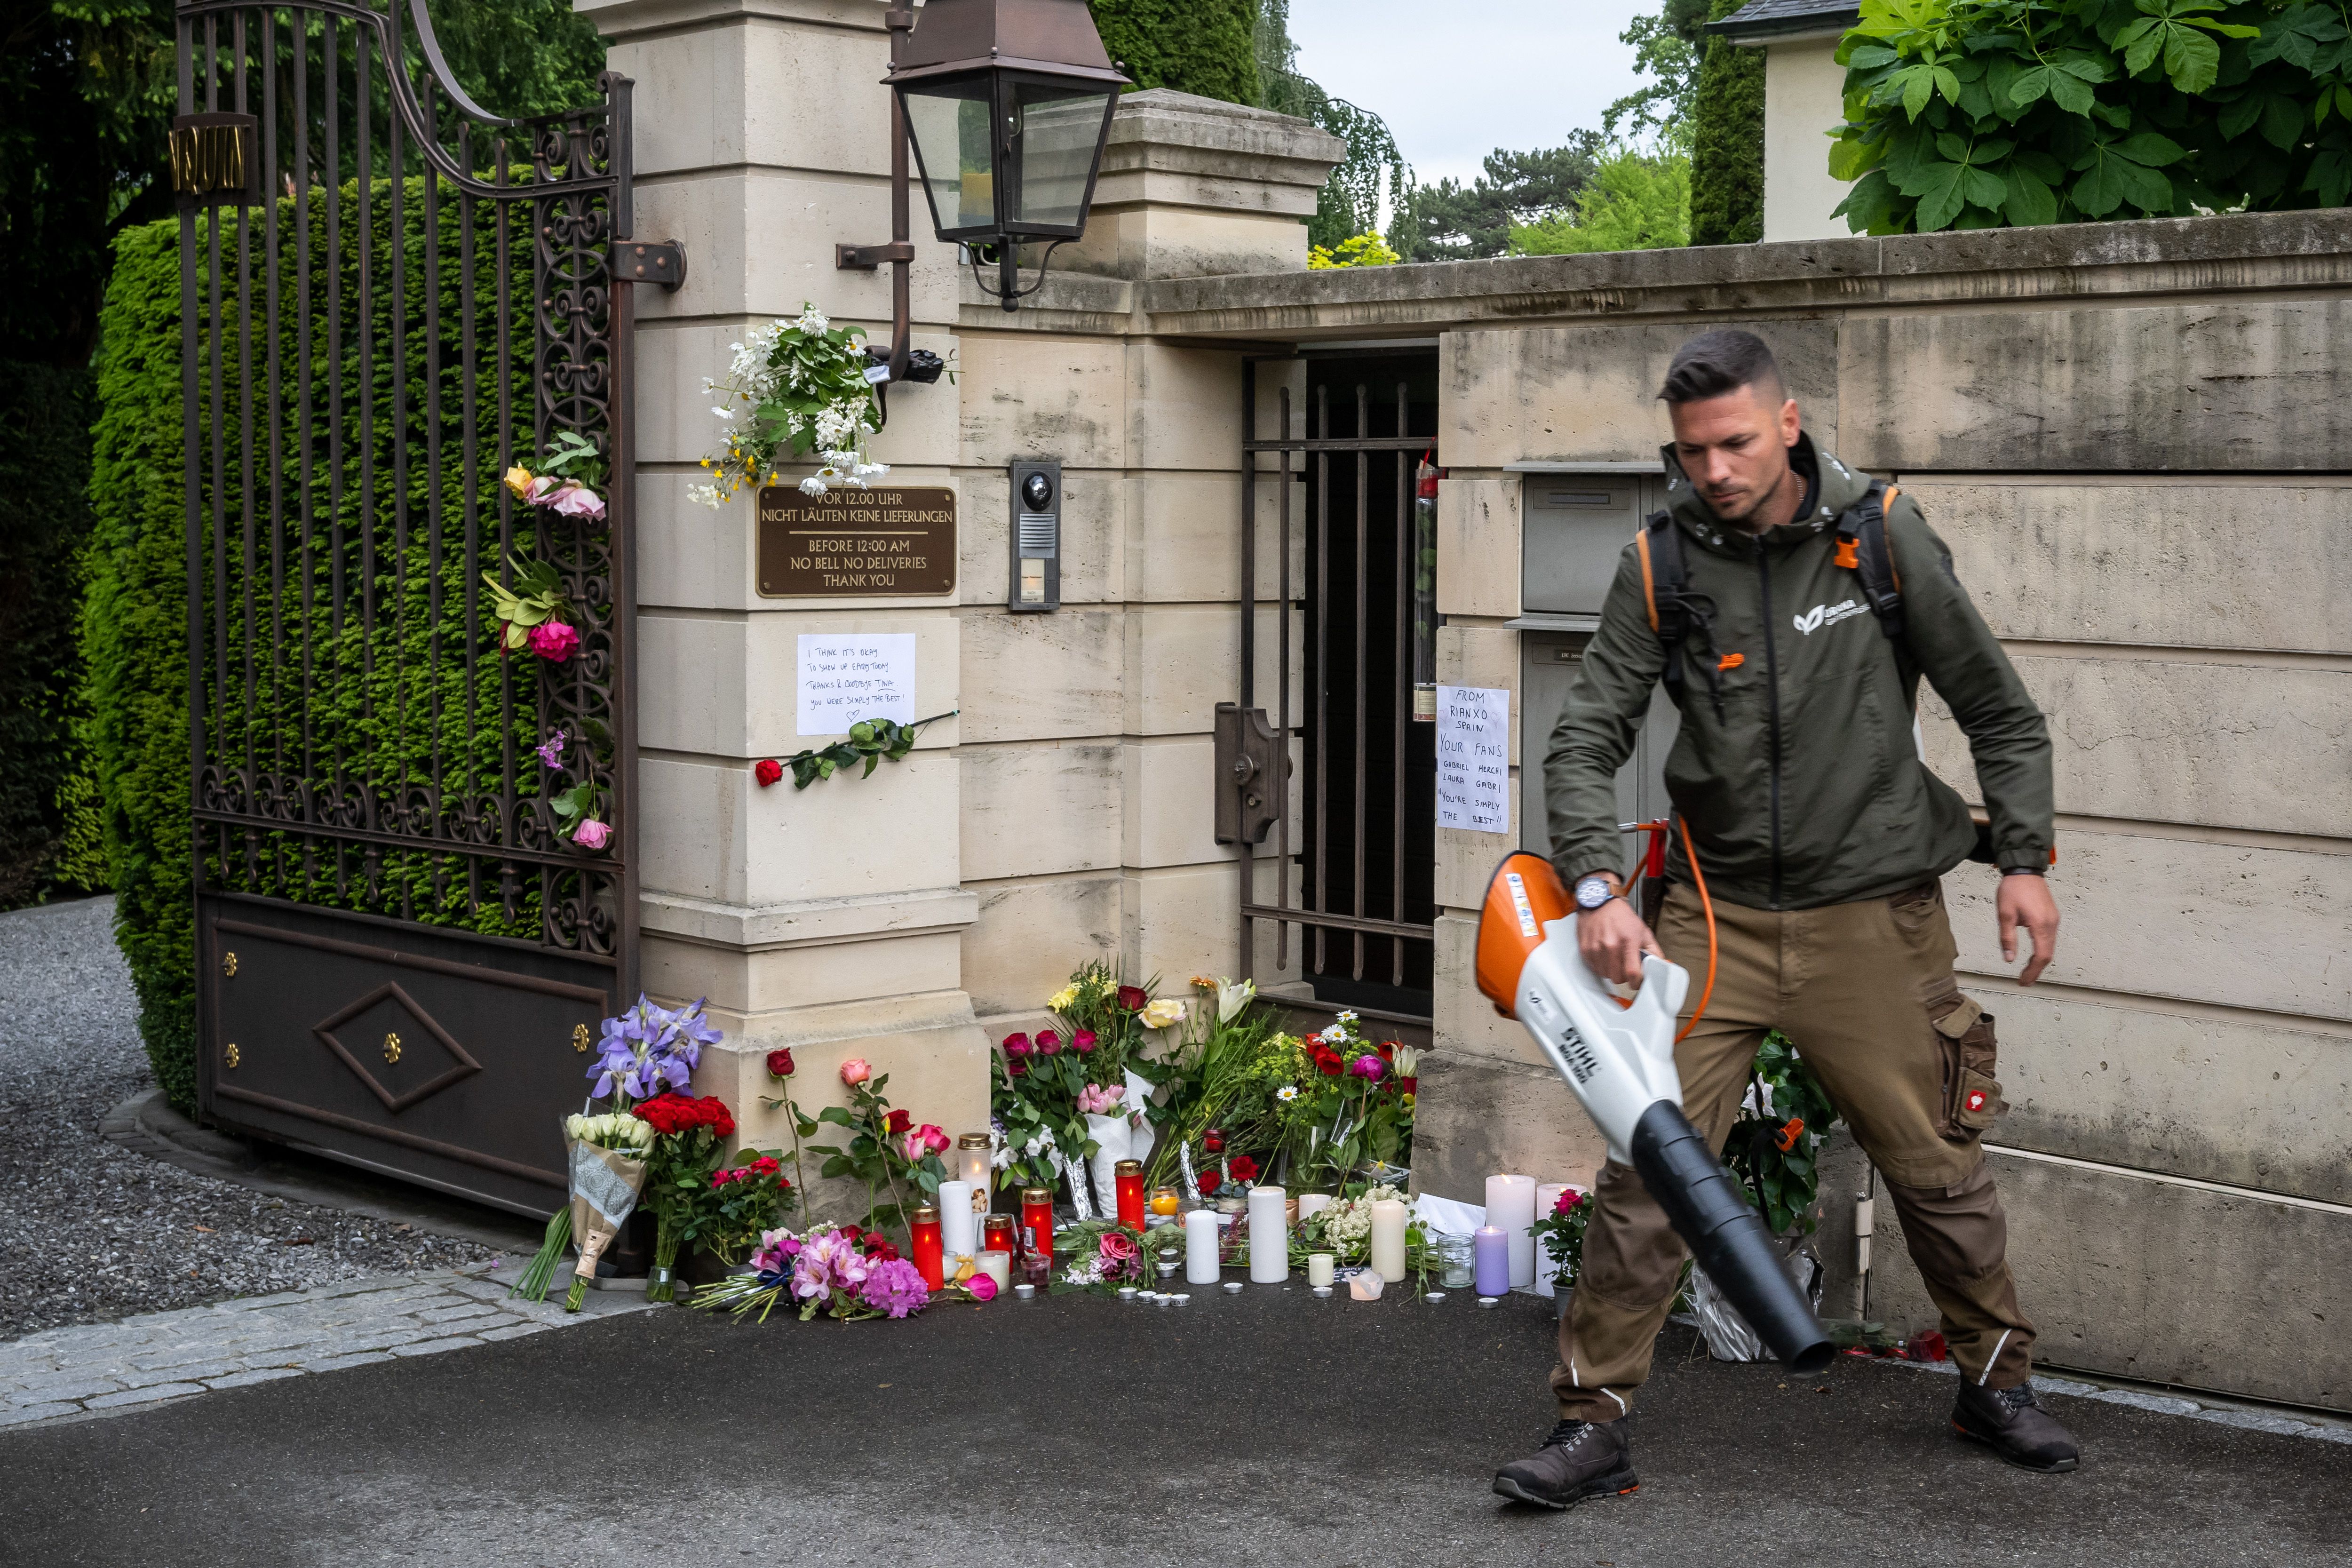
1592 892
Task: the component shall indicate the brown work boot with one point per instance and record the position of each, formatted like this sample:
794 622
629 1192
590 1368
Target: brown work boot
1579 1459
2009 1422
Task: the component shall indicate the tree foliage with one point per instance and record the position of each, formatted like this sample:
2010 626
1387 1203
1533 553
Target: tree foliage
1727 141
1980 113
1637 200
1452 222
1667 47
1372 175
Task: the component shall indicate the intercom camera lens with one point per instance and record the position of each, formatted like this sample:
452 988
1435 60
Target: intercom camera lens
1036 491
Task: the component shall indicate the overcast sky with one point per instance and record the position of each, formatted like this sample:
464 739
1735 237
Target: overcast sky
1456 81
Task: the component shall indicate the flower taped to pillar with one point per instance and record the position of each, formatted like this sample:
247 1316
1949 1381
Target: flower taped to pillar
848 543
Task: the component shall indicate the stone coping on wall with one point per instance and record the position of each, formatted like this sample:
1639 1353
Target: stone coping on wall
2230 254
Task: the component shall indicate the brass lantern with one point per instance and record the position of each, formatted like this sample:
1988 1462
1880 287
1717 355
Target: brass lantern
1008 104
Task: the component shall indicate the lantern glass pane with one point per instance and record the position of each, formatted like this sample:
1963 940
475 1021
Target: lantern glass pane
1056 130
949 124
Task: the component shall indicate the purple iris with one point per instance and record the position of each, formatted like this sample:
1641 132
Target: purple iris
650 1049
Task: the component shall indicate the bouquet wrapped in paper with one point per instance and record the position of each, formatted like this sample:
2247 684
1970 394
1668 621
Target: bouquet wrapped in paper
608 1170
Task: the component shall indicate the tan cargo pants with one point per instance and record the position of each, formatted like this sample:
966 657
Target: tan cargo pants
1867 993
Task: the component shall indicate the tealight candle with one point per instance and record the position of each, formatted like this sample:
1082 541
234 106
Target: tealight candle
997 1266
1511 1206
1233 1287
1166 1201
1388 1238
1493 1265
1269 1237
1025 1292
1200 1248
929 1255
1319 1271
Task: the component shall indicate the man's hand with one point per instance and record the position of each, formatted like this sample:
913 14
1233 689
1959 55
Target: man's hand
2025 901
1613 939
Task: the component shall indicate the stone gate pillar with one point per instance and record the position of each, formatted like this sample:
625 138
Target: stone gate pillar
826 919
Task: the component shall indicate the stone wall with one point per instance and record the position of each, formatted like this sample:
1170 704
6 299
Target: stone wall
2128 434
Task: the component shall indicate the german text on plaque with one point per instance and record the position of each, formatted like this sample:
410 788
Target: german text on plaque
885 541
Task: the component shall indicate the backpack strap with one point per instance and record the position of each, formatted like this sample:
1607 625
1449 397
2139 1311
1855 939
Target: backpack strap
1663 578
1861 546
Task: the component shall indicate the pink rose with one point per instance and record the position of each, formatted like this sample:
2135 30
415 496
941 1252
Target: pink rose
1082 1041
983 1287
855 1071
554 641
540 489
1118 1246
1048 1043
934 1141
591 835
1017 1045
913 1147
578 500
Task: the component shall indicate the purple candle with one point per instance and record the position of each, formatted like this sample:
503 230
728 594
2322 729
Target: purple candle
1491 1250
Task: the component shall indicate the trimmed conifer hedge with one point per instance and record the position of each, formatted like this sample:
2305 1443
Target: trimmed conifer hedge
1200 47
1728 140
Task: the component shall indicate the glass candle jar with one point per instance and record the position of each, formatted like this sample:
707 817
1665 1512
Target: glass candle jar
1128 1176
1166 1201
1453 1259
928 1258
1037 1221
972 1153
997 1234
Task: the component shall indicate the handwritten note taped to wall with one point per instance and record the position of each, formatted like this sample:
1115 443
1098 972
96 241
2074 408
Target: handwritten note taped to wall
846 679
1474 759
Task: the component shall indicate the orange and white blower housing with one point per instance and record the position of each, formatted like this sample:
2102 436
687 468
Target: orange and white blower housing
1619 1060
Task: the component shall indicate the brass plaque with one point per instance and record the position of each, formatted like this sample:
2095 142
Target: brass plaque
857 544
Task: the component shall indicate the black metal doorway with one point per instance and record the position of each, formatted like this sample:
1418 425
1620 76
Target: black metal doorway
1353 871
389 297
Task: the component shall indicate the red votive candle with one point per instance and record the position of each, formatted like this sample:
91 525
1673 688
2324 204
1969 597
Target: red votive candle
998 1233
930 1259
1130 1174
1037 1221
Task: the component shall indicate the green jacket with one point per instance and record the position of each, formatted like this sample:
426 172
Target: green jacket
1809 788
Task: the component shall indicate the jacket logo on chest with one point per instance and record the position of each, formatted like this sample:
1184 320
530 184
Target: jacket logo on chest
1822 616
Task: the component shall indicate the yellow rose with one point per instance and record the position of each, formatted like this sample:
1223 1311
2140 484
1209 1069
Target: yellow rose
1158 1014
519 479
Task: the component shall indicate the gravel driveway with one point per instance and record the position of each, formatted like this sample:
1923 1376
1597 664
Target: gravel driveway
91 1232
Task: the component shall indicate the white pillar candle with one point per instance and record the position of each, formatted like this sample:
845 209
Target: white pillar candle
1269 1237
1511 1208
1546 1264
1318 1270
1388 1238
958 1236
1200 1248
997 1266
1313 1202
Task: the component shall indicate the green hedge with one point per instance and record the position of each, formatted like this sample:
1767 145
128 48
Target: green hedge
45 521
381 723
1728 140
1200 47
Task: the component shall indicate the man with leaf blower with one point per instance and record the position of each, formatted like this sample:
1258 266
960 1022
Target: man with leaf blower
1791 606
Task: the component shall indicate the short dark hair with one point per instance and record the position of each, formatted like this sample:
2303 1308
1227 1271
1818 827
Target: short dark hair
1712 363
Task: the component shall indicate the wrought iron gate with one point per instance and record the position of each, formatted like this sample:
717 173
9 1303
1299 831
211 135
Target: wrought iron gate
1353 864
390 296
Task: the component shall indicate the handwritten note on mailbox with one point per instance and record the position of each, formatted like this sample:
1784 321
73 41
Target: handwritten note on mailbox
1474 759
846 679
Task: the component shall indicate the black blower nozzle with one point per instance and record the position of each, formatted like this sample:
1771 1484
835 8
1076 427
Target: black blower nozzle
1726 1237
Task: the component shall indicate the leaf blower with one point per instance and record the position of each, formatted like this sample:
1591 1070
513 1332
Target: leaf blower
1619 1059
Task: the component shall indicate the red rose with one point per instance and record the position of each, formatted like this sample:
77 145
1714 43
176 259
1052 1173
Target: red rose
1048 1043
766 1165
1210 1182
720 1178
768 772
1017 1045
1242 1167
1214 1141
1133 999
898 1122
780 1064
1015 1067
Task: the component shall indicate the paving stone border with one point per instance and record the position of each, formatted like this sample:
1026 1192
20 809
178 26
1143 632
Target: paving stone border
97 1369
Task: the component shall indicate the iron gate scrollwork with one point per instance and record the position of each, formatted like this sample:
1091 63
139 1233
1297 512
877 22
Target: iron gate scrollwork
401 298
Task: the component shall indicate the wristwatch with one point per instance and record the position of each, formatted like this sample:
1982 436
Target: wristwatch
1595 890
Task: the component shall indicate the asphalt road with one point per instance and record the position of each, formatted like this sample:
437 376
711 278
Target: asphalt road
1272 1428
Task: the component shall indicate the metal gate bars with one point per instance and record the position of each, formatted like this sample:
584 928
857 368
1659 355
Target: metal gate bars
389 299
1347 572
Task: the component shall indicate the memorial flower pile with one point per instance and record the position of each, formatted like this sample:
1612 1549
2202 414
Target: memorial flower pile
886 1150
1100 1256
688 1135
843 1271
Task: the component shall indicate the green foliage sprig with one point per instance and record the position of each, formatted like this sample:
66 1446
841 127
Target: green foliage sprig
1775 1145
536 598
872 739
1976 113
